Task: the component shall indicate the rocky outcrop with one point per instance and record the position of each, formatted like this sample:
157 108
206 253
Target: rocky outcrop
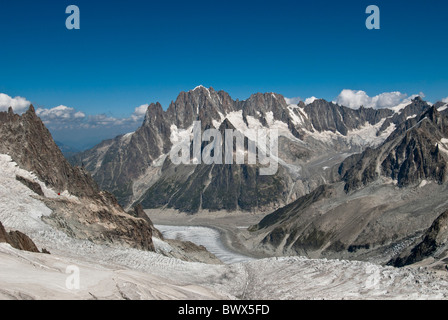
34 186
26 139
87 213
101 220
435 242
413 152
17 240
138 212
327 116
189 251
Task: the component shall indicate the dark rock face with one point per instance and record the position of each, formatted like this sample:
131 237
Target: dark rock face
34 186
410 154
327 116
101 220
214 188
433 239
17 240
289 211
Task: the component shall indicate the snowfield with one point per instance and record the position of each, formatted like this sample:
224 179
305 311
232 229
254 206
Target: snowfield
107 272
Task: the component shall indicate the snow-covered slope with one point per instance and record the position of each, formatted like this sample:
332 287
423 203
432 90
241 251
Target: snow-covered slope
115 272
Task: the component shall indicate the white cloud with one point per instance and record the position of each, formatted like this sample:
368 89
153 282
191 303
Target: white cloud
61 117
18 104
139 112
294 100
354 99
310 100
445 100
103 120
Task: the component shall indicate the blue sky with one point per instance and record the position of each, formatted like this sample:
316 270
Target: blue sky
134 52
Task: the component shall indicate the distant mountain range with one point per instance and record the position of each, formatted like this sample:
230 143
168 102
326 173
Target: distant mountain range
66 150
352 183
313 138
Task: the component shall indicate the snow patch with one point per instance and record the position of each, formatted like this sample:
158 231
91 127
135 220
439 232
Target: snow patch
296 118
443 144
217 123
442 108
125 139
364 136
423 183
399 108
18 209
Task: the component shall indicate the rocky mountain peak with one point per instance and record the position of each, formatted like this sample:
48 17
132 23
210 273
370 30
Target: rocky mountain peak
31 110
78 207
40 154
153 113
199 104
263 106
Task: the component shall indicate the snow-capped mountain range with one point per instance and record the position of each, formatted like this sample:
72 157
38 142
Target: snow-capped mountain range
313 138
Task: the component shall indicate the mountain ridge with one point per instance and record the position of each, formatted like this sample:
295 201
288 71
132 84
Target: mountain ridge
79 207
388 198
132 165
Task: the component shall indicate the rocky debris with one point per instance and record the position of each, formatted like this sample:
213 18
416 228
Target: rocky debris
217 187
17 240
189 251
290 210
